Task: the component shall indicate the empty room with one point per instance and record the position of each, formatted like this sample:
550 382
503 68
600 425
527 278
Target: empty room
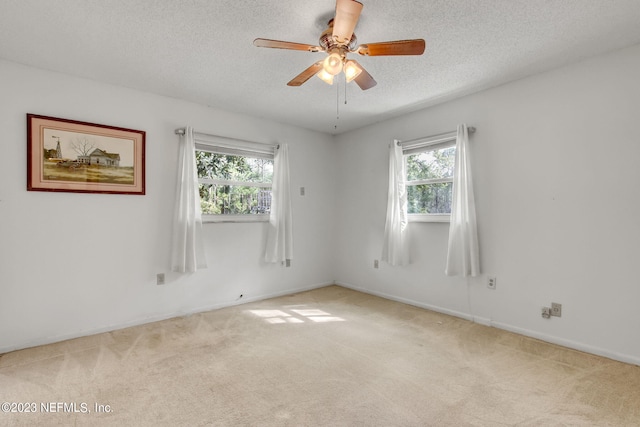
319 213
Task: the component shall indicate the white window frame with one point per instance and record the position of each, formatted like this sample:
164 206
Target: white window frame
422 145
234 147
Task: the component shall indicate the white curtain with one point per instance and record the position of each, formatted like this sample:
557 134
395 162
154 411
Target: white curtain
395 249
280 236
187 251
463 257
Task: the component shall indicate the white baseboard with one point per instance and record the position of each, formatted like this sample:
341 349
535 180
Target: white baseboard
569 343
151 319
252 299
454 313
488 322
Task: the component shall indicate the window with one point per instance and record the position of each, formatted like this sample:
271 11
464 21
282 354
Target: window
234 182
429 167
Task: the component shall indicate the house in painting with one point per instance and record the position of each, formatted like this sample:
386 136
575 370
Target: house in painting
100 157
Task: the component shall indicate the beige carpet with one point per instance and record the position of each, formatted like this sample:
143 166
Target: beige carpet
328 357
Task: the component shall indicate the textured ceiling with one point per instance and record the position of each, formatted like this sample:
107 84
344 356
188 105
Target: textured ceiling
202 51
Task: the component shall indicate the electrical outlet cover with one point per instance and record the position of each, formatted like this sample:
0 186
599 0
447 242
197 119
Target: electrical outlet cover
556 309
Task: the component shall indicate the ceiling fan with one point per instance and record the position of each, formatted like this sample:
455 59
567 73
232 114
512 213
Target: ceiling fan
337 41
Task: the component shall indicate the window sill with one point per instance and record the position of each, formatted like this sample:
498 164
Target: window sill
234 218
429 217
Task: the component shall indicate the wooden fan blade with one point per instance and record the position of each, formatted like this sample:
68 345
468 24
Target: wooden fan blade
364 79
277 44
399 47
347 14
306 74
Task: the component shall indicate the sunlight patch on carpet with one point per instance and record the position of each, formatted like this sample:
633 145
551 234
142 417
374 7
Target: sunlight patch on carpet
278 317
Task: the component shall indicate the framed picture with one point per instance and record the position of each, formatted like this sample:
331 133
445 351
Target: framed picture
78 157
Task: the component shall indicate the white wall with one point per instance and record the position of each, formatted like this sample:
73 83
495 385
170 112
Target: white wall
556 170
74 264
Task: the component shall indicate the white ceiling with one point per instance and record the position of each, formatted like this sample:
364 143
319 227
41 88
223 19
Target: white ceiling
202 51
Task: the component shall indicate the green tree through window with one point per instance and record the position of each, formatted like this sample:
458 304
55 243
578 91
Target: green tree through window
234 184
430 180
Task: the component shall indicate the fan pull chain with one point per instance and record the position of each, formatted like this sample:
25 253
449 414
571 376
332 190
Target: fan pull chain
337 100
345 89
337 104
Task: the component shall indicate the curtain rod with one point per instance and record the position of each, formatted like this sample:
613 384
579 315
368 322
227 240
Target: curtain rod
437 138
180 131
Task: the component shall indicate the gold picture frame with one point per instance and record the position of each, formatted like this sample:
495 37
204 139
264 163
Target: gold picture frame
80 157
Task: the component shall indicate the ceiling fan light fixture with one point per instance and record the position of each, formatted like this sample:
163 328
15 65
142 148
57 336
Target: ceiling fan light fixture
333 64
325 77
351 70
